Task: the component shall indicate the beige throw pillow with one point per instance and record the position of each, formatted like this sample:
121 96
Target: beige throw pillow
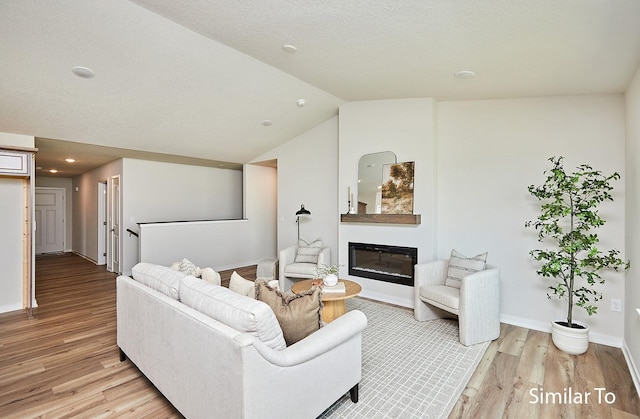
210 275
242 286
461 266
299 315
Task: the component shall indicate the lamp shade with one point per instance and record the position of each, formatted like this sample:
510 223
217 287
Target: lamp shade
303 211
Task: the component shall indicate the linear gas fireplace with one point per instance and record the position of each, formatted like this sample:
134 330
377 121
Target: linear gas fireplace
384 263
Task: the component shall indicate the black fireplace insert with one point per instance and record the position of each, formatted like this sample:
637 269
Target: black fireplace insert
381 262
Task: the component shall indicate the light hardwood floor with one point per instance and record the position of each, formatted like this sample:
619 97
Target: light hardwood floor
65 363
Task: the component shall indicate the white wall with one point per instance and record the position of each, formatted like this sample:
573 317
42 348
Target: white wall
11 222
405 127
156 191
488 153
17 140
632 294
307 174
220 244
85 208
67 185
10 244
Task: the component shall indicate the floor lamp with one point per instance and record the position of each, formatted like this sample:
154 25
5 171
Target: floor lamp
301 211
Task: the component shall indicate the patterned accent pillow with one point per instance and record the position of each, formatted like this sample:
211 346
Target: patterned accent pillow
187 267
461 266
308 252
299 315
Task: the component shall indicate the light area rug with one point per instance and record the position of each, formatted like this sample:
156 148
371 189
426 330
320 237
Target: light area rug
410 369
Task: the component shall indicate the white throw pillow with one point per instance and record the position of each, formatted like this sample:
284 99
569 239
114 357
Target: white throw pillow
308 252
210 275
242 286
461 266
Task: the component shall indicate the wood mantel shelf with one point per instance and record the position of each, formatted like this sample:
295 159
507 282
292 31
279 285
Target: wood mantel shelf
381 218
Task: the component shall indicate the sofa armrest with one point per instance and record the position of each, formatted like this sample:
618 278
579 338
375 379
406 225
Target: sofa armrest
432 273
328 337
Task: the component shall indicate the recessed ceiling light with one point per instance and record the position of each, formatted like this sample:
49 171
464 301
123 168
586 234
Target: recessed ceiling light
464 74
267 122
53 171
83 72
70 160
289 48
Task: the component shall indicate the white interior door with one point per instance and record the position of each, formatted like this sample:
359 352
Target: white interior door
115 224
102 223
49 218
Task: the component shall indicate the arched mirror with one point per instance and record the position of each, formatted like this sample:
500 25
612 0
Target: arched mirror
370 179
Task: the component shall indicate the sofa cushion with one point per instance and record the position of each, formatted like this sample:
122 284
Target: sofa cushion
242 286
308 252
242 313
296 269
299 314
461 266
160 278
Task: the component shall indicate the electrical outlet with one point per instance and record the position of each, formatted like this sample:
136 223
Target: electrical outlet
616 304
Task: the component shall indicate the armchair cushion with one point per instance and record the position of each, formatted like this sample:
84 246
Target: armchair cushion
442 295
308 252
300 269
461 266
299 314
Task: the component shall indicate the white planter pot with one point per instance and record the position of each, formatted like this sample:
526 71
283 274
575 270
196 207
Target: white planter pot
570 340
330 280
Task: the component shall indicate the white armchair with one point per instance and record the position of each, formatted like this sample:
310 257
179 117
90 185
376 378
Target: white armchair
476 303
290 270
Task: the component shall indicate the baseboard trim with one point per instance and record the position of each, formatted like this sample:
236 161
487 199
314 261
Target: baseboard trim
85 257
599 338
387 299
235 265
633 369
10 307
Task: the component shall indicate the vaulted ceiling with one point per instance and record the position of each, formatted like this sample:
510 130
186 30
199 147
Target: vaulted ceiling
211 79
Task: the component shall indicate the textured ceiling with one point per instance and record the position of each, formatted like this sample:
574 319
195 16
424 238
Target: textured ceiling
195 78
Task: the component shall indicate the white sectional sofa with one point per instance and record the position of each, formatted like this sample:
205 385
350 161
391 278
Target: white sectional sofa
217 354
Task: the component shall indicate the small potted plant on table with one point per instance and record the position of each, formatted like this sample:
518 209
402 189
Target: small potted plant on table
328 273
568 215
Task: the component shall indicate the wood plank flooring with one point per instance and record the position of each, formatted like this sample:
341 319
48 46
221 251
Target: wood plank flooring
64 362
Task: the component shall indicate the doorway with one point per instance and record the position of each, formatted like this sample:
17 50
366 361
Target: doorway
114 216
102 223
50 220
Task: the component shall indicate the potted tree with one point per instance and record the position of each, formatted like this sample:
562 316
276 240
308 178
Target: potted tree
569 213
